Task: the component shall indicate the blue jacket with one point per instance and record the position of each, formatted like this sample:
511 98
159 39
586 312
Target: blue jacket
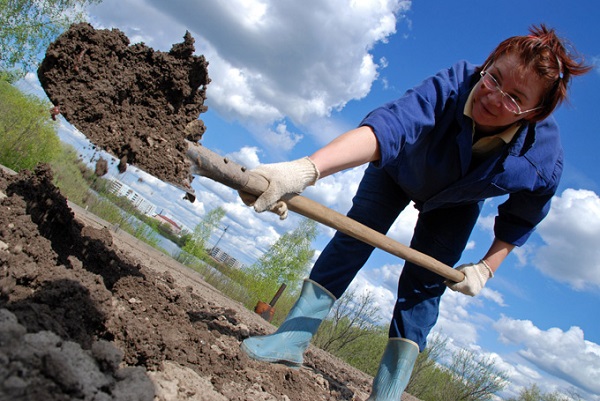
425 142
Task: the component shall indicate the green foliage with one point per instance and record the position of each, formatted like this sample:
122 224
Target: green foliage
349 320
196 246
68 177
366 345
146 234
28 27
27 134
533 393
426 363
286 261
467 378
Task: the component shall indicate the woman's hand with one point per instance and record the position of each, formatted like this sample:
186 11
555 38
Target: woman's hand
476 275
284 179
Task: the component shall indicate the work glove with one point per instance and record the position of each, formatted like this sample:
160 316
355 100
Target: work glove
284 179
476 275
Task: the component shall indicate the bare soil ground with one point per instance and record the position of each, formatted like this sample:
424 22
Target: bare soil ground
87 313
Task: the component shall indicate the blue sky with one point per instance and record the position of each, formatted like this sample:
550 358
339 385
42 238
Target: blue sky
289 76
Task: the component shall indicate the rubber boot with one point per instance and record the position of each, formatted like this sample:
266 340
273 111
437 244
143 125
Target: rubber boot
288 343
394 370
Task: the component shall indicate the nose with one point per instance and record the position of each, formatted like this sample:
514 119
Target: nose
495 97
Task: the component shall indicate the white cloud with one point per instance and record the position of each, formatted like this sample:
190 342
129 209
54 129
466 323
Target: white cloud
246 156
493 296
336 191
381 283
270 60
403 228
564 354
456 321
279 140
570 232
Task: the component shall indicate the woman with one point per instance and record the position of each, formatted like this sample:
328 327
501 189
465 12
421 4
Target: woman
462 136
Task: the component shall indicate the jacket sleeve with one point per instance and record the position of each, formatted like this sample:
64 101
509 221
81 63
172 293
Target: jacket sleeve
415 113
519 215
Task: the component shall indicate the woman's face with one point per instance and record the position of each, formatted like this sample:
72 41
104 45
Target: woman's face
525 87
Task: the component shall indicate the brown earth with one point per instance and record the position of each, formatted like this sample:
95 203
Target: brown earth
89 313
138 104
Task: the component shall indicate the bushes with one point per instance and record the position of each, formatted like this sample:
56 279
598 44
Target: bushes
27 134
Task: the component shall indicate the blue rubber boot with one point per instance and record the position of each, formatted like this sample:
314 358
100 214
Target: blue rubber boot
288 343
394 370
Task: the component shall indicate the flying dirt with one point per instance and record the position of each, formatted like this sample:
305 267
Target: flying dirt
138 104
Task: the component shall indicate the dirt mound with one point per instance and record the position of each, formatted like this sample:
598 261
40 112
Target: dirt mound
138 104
82 319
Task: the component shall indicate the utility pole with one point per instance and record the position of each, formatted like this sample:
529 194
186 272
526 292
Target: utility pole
219 240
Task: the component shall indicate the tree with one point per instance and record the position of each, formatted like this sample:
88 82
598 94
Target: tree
425 363
467 378
27 134
196 245
533 393
29 26
365 352
286 261
479 374
350 319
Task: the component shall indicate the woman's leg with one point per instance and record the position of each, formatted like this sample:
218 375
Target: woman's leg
377 204
443 235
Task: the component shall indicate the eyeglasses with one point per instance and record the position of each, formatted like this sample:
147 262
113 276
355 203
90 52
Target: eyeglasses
508 101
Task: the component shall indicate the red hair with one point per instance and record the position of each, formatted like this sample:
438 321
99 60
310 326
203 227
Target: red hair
545 54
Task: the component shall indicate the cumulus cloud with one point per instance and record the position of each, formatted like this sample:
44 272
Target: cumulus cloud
247 156
271 60
564 354
456 320
336 191
381 283
570 232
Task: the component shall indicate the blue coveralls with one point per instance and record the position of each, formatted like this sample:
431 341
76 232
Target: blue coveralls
425 143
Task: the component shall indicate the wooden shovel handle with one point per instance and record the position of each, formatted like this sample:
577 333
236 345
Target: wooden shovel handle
211 165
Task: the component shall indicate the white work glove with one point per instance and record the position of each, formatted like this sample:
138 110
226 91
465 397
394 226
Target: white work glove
284 179
476 275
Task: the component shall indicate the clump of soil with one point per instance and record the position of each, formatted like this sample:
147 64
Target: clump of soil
138 104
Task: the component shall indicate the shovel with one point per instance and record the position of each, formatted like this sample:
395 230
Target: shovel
267 310
122 97
209 164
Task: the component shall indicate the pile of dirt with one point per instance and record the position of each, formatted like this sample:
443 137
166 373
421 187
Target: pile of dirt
81 319
138 104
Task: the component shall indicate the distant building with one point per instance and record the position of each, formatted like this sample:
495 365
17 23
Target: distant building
139 202
223 257
175 228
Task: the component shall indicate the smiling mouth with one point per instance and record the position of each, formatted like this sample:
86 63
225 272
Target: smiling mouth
486 109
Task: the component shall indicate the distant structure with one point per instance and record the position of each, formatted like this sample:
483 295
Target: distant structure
223 257
173 226
139 202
